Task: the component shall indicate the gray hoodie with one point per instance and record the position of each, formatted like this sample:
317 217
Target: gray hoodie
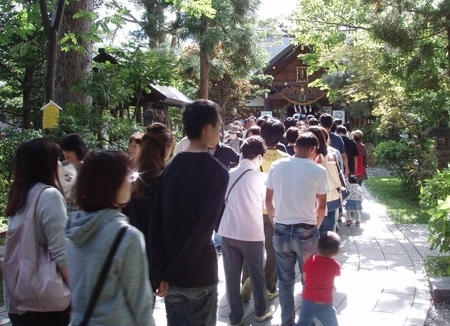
126 297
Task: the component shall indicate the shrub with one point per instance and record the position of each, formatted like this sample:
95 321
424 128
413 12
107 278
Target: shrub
435 200
11 138
410 161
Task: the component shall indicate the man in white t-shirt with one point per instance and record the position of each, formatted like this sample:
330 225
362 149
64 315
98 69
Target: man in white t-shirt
242 231
296 203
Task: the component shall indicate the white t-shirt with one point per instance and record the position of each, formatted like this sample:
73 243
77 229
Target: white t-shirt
242 218
295 183
182 145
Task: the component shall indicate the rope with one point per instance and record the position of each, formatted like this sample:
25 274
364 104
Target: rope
296 102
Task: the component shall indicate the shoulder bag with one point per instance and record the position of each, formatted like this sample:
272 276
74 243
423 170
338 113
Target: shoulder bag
334 198
102 277
226 198
32 280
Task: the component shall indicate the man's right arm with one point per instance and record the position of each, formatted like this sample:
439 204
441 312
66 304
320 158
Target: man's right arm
320 208
270 206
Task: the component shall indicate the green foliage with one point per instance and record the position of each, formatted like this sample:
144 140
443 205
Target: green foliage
435 189
401 204
11 138
439 225
4 189
99 129
437 266
435 201
407 160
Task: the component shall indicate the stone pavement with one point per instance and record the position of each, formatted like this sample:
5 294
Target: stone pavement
382 282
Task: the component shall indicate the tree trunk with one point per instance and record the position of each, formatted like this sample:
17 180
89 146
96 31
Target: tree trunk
74 65
204 64
448 46
52 32
26 96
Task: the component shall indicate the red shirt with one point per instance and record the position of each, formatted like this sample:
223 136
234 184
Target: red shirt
320 273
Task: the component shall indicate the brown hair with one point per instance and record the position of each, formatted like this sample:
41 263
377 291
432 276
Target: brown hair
100 179
292 134
136 137
321 135
152 159
36 161
255 130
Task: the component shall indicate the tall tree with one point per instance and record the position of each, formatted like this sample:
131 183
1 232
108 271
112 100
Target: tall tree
234 26
75 57
51 21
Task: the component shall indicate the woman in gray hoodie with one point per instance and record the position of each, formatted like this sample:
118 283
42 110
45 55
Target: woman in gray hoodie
103 187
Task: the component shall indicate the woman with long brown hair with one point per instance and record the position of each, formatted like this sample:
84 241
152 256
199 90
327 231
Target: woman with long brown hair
37 218
156 146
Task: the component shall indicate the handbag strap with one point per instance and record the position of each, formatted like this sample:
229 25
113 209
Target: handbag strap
234 183
102 278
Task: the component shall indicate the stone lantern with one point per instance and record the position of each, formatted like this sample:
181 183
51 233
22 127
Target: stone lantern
441 135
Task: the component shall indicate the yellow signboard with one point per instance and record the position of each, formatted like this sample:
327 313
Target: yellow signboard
51 115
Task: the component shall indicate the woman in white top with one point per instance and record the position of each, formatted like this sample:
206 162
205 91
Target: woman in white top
242 231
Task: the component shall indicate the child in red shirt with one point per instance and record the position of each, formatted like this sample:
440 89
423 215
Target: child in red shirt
318 275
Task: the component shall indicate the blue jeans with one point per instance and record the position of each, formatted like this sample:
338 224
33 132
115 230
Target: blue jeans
291 245
328 223
325 313
217 240
191 306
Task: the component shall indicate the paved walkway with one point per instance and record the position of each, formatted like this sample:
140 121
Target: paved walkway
383 281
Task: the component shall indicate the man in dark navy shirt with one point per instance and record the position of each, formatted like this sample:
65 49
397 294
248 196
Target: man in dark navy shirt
189 202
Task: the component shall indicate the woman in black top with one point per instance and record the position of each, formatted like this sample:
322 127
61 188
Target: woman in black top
157 144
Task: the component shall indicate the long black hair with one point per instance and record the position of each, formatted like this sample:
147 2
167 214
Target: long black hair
36 161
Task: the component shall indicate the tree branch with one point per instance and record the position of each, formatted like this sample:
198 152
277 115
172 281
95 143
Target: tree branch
44 15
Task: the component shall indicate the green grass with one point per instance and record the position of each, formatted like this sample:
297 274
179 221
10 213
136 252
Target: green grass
402 206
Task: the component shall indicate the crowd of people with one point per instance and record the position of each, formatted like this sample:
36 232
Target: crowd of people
118 229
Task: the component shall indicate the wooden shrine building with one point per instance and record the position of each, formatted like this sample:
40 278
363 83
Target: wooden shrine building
151 106
290 91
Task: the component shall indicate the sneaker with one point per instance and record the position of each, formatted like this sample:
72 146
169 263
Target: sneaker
349 222
246 290
272 295
358 223
340 218
268 315
240 324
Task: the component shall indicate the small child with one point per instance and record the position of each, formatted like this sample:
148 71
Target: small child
353 204
318 275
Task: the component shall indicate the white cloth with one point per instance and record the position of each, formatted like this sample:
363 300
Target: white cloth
295 183
182 145
354 191
242 218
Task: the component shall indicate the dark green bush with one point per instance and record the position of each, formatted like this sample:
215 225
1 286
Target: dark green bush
435 200
11 138
410 161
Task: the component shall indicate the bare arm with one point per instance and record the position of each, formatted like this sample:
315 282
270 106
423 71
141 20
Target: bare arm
345 160
355 159
320 208
270 206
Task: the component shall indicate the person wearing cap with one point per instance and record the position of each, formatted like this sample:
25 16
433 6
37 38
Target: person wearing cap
361 173
234 141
